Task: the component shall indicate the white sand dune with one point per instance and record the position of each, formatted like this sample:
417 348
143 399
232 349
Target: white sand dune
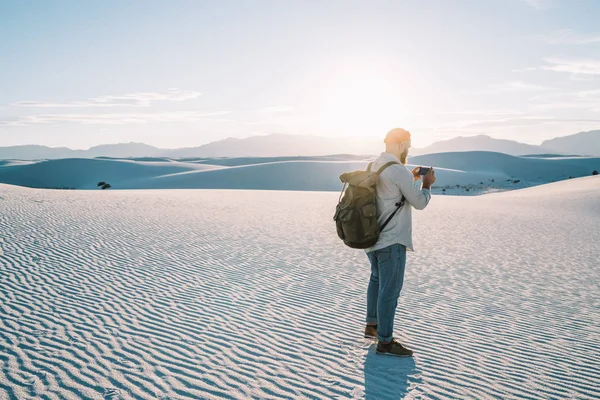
238 294
458 173
85 173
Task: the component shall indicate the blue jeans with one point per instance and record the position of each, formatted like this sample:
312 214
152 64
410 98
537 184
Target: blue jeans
387 277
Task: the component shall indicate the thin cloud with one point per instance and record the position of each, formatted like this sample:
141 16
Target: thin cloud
588 100
573 105
526 69
480 125
567 36
276 109
513 87
141 99
527 121
582 103
115 118
519 86
538 4
588 93
497 112
573 66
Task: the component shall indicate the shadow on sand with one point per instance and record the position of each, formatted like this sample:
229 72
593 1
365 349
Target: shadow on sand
389 377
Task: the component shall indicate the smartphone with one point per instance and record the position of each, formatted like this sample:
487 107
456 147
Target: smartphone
424 170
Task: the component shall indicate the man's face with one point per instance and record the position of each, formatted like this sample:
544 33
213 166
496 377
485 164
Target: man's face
404 154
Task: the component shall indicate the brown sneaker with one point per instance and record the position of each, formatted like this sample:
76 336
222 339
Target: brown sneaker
393 348
371 332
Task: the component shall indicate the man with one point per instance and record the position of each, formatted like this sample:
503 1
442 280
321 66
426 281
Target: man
388 255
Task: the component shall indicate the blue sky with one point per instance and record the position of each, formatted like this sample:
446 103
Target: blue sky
184 73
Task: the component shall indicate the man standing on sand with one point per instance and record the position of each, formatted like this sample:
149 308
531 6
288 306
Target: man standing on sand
388 255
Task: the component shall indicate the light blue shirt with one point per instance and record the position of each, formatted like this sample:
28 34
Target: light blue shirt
395 181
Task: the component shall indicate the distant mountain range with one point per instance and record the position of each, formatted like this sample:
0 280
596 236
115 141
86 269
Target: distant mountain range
483 143
121 150
584 143
281 145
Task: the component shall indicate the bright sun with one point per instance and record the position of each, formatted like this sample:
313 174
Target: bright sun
362 105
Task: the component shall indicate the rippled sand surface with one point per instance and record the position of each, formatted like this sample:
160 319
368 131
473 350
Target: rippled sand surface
204 294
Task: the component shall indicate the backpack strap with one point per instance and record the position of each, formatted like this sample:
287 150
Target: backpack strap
342 192
384 167
399 204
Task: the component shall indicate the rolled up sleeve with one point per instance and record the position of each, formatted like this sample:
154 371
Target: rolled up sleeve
411 190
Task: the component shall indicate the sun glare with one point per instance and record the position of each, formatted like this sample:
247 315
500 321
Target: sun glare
362 105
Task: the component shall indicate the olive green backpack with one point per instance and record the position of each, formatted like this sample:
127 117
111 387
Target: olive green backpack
356 213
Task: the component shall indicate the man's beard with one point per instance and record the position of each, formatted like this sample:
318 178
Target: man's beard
404 157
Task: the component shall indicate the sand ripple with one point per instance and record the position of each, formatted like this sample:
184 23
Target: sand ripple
243 294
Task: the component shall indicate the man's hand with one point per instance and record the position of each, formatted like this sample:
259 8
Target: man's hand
429 179
415 173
